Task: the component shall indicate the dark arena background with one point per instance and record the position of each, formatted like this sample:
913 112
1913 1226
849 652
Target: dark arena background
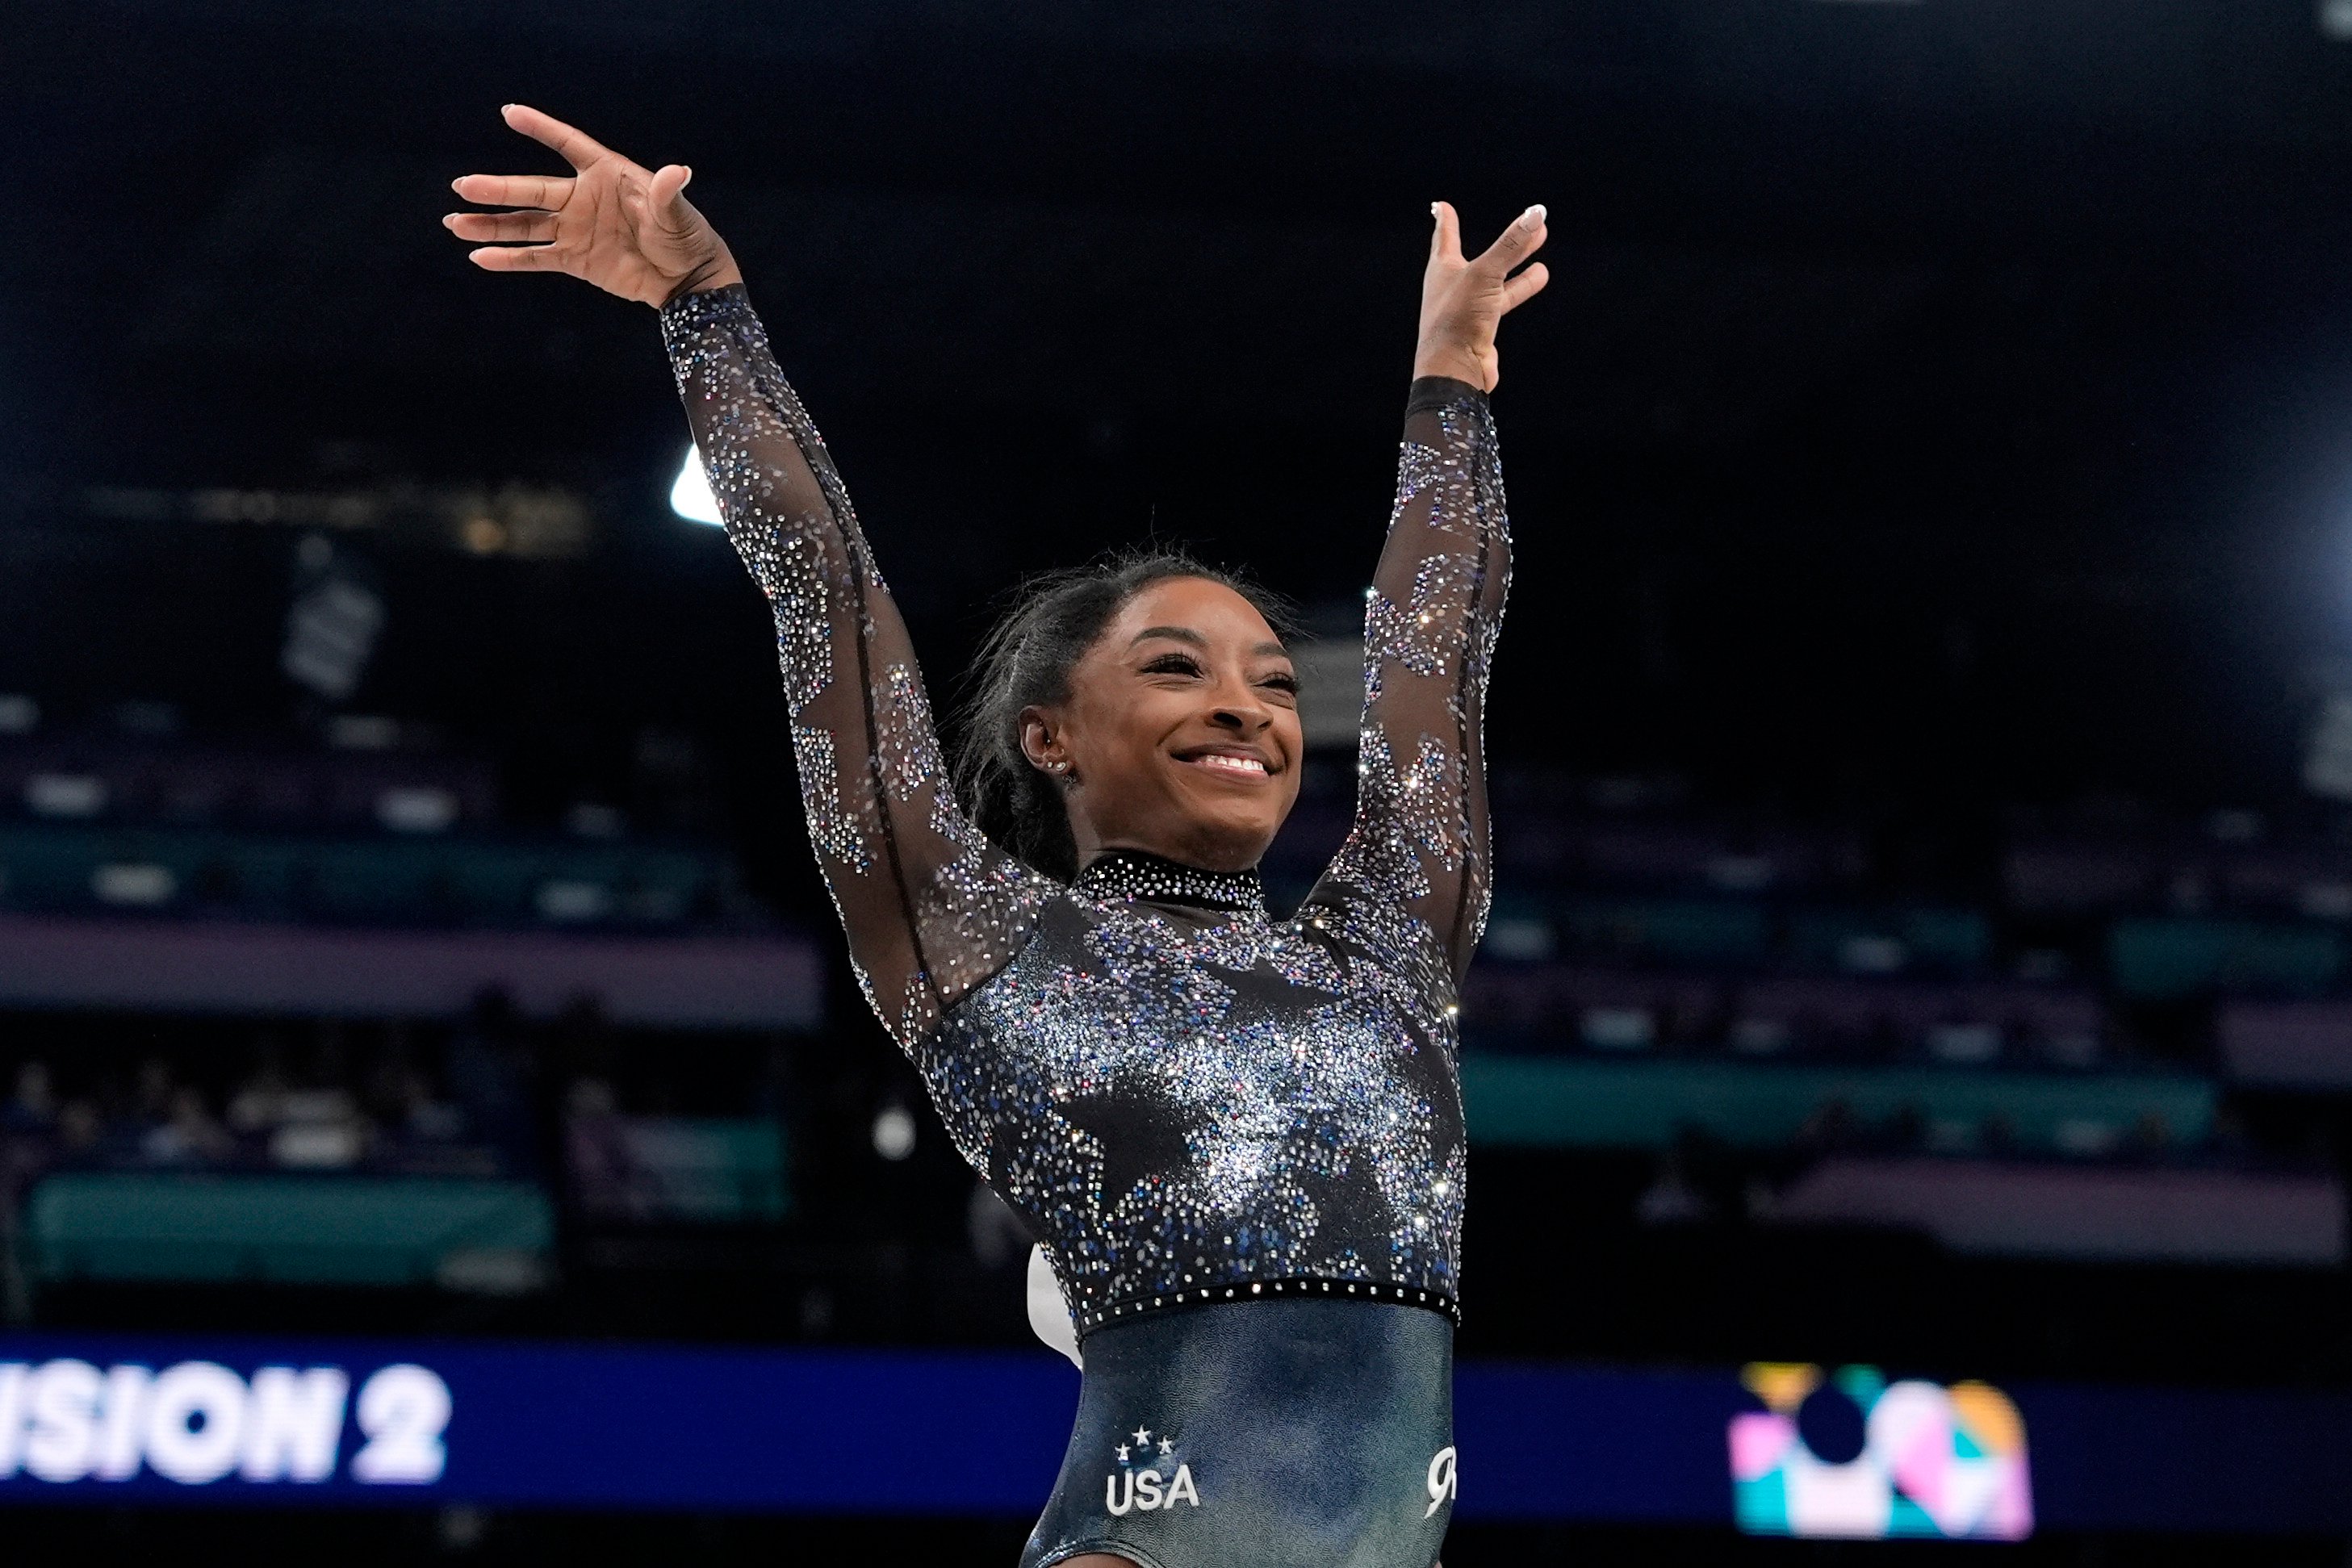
1907 1065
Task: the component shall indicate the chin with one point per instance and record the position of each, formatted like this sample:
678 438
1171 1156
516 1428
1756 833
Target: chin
1227 844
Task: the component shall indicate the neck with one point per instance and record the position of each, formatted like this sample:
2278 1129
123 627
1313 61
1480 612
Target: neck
1214 865
1124 873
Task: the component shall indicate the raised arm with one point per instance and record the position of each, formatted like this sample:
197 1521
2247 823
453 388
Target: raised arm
931 908
1435 607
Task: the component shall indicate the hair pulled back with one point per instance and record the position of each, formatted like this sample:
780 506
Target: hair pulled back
1026 662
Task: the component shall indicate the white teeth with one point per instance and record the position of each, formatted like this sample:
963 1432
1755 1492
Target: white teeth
1232 764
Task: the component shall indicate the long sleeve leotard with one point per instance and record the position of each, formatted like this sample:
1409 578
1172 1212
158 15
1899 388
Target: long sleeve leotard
1184 1099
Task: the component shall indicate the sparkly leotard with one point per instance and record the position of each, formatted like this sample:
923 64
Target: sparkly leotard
1186 1101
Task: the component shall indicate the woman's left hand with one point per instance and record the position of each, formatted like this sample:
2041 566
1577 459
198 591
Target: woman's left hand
1462 302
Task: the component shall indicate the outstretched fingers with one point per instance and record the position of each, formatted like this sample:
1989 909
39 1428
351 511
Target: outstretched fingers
1445 239
514 258
1524 285
514 191
506 226
575 146
1516 244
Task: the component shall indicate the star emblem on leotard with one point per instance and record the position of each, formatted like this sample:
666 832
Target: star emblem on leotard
1167 1445
1142 1436
1122 1453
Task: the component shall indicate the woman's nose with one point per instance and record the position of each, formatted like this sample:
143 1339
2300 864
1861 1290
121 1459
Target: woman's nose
1239 706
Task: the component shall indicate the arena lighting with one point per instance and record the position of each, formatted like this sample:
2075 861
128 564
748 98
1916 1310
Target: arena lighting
689 493
894 1132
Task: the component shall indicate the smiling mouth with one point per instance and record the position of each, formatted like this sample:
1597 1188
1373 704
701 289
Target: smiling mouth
1230 764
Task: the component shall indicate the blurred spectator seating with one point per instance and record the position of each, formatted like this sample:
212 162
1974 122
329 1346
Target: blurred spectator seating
386 879
1641 853
2165 957
356 880
2184 1215
368 835
2178 871
1964 1022
1740 932
122 779
494 1237
311 1182
725 979
2287 1044
1587 1101
652 1169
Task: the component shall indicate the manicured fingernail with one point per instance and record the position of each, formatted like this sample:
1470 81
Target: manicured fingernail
449 219
1433 209
1535 213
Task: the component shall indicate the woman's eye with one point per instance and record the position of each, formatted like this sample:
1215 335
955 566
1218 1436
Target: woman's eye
1283 684
1172 665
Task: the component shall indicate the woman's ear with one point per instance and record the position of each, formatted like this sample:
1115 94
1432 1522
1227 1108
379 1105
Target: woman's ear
1041 743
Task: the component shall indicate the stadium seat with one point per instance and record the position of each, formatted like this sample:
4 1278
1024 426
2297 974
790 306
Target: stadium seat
127 1226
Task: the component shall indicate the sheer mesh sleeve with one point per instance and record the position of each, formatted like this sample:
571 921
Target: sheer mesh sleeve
931 906
1430 623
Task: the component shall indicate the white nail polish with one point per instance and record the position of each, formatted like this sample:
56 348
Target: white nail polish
1536 211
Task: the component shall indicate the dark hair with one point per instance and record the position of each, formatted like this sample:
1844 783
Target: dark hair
1026 662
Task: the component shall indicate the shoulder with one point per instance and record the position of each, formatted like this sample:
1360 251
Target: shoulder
1383 931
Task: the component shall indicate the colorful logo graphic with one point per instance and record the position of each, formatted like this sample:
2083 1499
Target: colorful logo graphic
1854 1455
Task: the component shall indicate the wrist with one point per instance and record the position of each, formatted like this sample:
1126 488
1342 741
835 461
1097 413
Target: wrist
1454 363
717 270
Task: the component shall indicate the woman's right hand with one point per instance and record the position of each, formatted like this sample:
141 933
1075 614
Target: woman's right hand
629 232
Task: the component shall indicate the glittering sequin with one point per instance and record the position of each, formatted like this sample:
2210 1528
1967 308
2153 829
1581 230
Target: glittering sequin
1186 1099
831 828
1242 1098
1419 469
908 748
1425 636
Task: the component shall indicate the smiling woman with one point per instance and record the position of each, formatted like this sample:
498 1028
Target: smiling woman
1139 657
1238 1141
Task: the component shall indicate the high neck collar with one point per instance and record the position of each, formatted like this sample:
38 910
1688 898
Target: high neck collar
1137 874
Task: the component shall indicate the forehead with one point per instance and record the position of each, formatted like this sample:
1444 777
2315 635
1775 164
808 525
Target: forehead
1196 603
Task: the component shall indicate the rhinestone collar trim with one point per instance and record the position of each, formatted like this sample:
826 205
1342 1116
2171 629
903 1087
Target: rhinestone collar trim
1135 874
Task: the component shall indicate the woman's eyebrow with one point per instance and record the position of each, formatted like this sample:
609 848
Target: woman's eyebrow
1177 633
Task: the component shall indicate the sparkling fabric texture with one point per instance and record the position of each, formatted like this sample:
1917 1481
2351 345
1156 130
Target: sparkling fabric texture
1187 1100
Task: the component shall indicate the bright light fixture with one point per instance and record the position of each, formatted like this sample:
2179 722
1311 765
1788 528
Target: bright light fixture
689 495
894 1132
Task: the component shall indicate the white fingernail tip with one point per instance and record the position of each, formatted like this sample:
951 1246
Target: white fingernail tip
1535 214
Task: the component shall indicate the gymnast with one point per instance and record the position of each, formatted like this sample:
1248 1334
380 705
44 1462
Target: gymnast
1236 1140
